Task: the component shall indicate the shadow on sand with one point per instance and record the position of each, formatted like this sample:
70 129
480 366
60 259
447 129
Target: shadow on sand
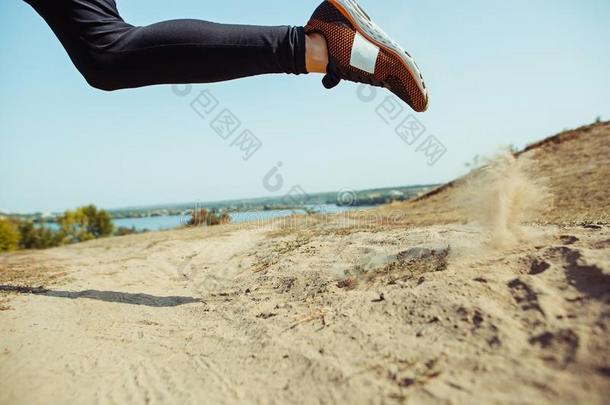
107 296
589 280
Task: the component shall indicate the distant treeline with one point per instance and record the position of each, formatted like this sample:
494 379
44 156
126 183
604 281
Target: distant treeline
40 231
305 202
83 224
302 201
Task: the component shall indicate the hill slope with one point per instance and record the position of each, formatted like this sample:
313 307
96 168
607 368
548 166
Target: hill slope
576 164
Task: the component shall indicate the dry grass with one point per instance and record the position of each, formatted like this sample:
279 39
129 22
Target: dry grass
280 249
29 268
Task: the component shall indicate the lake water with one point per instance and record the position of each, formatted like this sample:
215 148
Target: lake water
174 221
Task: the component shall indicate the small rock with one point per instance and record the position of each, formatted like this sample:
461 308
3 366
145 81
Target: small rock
380 299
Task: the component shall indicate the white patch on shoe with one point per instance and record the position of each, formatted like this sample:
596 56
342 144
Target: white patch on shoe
364 54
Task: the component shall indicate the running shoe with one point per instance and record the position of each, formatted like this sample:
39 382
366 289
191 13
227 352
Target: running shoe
359 51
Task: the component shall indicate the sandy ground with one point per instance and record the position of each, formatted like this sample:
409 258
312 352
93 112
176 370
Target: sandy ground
253 315
413 308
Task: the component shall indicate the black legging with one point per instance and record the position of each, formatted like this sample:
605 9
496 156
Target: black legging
112 54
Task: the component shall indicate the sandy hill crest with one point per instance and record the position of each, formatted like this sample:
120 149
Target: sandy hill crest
576 165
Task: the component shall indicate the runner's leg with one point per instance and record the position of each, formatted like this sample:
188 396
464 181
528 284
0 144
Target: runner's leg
112 54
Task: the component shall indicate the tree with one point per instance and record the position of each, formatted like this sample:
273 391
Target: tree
33 237
73 226
100 223
85 223
9 236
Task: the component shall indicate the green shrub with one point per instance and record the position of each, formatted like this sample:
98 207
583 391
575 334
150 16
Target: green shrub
9 236
209 218
123 231
33 237
85 223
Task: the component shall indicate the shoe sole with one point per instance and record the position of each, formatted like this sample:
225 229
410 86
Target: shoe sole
372 32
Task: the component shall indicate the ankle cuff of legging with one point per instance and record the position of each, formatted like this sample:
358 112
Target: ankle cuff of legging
299 49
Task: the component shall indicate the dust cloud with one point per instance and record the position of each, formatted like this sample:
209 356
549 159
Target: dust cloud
502 196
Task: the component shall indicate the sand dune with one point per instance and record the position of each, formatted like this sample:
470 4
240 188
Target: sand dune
408 303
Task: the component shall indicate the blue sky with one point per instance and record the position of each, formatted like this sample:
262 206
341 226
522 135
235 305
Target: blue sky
499 73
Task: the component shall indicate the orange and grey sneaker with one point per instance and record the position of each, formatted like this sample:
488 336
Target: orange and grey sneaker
360 51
